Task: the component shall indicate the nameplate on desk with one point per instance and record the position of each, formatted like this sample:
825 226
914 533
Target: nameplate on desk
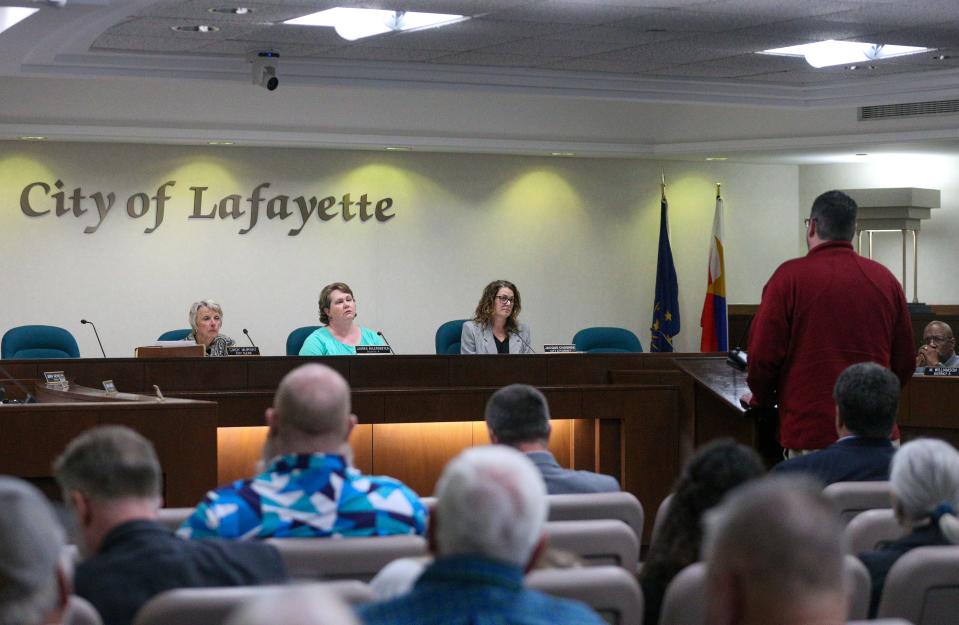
373 349
56 378
243 350
941 371
110 387
559 348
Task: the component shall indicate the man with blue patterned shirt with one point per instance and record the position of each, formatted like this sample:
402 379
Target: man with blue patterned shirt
486 531
308 487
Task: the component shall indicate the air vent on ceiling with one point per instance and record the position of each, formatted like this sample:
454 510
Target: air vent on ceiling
910 109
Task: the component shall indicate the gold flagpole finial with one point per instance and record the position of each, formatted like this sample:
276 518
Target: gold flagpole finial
719 194
662 186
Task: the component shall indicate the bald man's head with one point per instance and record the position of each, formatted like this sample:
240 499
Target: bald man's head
312 400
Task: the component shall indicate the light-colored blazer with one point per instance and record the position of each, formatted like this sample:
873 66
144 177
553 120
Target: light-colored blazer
478 339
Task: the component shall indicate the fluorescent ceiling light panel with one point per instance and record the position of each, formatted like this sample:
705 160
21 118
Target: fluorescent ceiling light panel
10 16
828 53
352 24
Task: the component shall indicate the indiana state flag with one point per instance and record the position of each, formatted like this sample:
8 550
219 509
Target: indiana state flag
666 309
714 320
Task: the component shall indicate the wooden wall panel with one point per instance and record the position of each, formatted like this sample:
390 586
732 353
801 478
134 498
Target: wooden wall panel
415 454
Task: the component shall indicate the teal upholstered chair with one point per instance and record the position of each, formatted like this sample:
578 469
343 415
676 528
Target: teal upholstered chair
38 342
175 335
295 340
603 339
448 337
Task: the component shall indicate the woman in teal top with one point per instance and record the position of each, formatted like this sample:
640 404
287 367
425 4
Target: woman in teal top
339 336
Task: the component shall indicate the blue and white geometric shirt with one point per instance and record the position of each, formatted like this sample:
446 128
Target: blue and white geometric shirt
305 495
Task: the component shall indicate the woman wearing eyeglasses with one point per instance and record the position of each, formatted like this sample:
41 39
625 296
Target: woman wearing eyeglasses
494 328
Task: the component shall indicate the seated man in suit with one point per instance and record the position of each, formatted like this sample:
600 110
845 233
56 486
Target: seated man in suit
487 530
33 587
111 478
773 553
518 415
938 347
308 488
867 397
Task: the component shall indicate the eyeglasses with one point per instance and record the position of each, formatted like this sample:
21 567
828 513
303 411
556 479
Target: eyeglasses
506 299
935 339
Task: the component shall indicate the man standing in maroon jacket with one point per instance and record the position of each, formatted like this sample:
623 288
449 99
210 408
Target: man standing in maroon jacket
818 315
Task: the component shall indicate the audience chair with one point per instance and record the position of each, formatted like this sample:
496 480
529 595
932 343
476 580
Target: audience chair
345 558
175 335
38 342
296 338
685 603
596 542
871 527
622 506
212 606
448 337
851 498
173 518
660 517
610 590
602 339
81 612
881 621
923 587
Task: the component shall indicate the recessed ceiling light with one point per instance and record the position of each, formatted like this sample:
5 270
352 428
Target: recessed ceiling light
563 154
352 24
716 158
198 28
219 142
232 10
828 53
33 138
12 15
398 148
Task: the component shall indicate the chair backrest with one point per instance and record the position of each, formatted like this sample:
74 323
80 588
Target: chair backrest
871 527
173 518
610 590
81 612
604 339
622 506
212 606
660 517
881 621
175 335
38 342
448 337
345 558
596 542
685 600
923 587
851 498
295 340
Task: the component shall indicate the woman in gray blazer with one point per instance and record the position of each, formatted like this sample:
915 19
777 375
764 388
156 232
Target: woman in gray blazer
494 328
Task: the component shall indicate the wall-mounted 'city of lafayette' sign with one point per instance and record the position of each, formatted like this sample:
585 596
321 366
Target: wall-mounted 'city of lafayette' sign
39 199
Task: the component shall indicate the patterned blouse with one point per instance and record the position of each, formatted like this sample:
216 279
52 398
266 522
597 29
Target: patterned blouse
217 347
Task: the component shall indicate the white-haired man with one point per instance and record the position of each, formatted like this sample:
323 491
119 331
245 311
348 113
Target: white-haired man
308 488
33 589
774 557
486 530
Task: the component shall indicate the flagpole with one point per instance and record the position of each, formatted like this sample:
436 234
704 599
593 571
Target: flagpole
719 194
662 186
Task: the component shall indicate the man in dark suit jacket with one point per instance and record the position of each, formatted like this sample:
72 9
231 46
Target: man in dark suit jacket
867 396
518 415
110 477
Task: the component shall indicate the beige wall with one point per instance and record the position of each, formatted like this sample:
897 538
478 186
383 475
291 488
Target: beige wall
578 236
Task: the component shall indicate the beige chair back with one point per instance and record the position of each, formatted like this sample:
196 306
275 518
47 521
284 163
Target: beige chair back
871 527
212 606
660 517
610 590
173 518
851 498
81 612
923 587
622 506
881 621
597 542
685 600
345 558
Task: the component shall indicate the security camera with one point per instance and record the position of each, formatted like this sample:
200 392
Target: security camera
264 69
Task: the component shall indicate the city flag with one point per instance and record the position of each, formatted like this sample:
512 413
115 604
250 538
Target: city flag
666 307
714 320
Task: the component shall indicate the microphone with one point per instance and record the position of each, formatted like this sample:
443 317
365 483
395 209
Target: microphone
97 334
383 336
736 357
248 337
528 346
30 399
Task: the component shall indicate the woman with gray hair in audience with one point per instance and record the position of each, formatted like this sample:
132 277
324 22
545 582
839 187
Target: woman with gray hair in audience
924 480
206 317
